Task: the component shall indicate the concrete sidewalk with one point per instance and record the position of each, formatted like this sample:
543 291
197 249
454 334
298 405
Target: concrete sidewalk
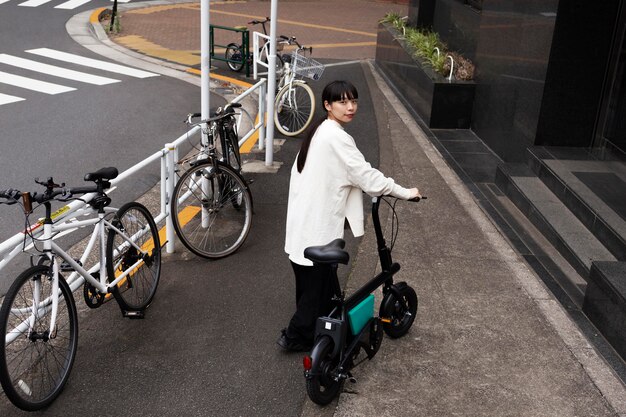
489 339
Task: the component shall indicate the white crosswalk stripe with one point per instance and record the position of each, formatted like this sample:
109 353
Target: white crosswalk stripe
56 71
93 63
26 82
66 5
33 3
71 4
7 99
32 84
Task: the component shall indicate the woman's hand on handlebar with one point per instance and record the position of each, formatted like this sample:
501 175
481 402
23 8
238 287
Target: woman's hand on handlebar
415 194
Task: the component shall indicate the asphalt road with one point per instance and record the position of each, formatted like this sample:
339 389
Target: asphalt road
69 134
66 135
207 344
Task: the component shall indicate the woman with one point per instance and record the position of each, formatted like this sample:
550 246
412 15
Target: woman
325 190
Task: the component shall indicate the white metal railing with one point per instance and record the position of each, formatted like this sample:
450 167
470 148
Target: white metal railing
168 156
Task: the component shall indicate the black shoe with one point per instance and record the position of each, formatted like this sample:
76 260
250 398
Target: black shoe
292 344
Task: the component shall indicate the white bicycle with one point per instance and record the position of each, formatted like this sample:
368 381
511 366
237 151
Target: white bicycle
38 316
294 105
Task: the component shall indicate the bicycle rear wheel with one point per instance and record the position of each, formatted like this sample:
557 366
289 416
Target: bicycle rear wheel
293 108
212 210
321 387
137 289
234 57
34 363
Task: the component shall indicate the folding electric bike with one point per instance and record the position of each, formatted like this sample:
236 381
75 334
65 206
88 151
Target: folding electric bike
351 326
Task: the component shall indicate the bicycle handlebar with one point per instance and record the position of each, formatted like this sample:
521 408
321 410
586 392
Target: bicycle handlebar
220 113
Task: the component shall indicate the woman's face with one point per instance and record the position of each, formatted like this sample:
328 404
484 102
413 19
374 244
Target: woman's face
341 111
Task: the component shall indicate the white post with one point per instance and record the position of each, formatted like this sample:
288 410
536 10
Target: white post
170 235
271 87
204 59
262 107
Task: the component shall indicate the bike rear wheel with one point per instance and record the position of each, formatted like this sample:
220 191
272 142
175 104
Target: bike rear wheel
212 210
234 57
35 363
137 289
293 108
321 387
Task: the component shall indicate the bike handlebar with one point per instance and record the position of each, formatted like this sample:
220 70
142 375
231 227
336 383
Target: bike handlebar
220 113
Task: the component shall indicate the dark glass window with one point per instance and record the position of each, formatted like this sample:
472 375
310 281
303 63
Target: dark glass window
475 4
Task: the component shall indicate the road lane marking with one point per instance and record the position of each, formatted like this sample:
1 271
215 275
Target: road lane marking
293 22
93 63
71 4
32 84
55 71
4 1
6 99
33 3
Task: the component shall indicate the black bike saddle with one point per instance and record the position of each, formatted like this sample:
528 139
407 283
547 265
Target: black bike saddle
102 174
331 253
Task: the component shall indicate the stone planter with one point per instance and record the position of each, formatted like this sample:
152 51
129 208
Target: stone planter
442 104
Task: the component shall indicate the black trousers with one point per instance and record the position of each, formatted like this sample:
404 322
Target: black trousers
315 287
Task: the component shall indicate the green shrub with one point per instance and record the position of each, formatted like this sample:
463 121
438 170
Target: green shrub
430 49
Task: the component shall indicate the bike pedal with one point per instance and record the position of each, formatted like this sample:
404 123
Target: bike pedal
133 314
351 378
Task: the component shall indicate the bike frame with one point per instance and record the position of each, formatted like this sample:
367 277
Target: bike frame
80 274
384 279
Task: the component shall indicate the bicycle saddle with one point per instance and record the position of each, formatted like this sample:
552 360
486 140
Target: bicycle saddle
331 253
102 174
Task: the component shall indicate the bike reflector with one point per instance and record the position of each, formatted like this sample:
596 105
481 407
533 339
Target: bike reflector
307 362
360 315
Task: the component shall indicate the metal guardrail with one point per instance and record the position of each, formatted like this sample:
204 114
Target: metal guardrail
168 156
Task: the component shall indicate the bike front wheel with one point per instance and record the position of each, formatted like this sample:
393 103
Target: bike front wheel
212 210
234 57
35 360
399 313
293 108
140 263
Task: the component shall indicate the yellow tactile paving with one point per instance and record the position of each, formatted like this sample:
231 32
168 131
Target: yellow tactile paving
144 46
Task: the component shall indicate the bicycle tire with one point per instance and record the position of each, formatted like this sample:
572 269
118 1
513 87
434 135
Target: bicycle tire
294 107
321 387
227 223
35 367
137 290
234 57
401 319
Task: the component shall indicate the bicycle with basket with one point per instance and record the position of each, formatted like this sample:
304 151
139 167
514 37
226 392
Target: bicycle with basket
294 105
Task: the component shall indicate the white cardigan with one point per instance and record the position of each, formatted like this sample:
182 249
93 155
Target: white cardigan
328 191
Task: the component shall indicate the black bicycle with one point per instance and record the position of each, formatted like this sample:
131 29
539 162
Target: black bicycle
212 204
351 327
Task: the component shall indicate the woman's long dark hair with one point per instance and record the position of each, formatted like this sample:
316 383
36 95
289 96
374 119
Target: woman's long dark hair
335 91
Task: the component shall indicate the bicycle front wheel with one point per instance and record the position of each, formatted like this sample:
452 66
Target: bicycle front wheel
234 57
142 266
212 210
35 360
293 108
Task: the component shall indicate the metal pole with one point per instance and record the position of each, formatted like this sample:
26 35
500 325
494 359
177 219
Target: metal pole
204 59
271 87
